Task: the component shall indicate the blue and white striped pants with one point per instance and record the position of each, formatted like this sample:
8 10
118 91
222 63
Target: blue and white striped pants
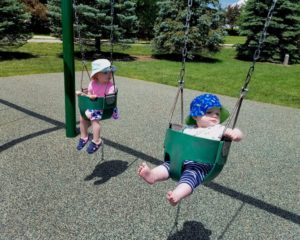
193 173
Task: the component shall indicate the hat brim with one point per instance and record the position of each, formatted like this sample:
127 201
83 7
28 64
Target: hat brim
224 114
111 68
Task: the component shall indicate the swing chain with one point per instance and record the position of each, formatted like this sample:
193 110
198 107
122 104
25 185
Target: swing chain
79 32
83 61
111 30
257 52
186 37
256 56
184 55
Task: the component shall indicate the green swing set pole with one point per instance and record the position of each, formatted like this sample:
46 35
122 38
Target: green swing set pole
69 68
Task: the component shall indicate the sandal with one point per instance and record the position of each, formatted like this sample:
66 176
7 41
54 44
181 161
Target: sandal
93 147
82 143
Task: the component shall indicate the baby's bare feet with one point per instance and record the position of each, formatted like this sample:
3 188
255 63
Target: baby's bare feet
145 172
172 198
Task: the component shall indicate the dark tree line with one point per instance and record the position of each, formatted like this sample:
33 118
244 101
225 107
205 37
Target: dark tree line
162 21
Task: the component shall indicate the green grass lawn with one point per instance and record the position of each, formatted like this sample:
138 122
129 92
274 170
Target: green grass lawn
234 39
223 74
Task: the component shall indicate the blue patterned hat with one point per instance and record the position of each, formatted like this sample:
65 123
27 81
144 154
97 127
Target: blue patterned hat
201 104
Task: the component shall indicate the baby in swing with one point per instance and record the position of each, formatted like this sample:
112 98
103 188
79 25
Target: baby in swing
99 86
206 114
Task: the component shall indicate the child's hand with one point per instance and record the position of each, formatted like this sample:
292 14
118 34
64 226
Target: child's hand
92 96
234 134
78 93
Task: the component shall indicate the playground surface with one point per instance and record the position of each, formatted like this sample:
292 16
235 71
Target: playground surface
49 190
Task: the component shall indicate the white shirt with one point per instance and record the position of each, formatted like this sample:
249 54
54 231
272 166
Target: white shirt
213 132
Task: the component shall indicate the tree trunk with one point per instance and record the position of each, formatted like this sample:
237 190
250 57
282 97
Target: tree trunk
98 45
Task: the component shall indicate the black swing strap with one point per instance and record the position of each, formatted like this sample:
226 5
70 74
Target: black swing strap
235 113
182 71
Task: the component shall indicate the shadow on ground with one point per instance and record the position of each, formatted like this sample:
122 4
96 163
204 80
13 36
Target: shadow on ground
191 230
8 55
106 170
178 58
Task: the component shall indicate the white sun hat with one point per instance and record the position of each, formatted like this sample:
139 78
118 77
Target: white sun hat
102 65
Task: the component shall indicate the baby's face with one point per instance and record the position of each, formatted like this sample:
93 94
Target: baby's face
211 118
103 77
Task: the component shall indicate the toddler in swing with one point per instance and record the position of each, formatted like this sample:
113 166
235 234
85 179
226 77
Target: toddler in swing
99 86
206 114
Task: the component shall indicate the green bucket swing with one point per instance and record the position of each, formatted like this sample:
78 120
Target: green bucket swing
108 103
197 149
179 146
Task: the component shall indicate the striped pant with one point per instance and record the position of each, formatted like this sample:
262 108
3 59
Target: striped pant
193 173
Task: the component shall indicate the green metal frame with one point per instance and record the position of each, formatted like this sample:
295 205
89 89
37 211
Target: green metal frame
107 104
179 146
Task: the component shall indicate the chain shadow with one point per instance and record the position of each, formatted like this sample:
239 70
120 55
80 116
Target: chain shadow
191 230
106 170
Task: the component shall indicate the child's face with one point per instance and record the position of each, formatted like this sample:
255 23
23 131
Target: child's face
103 77
211 118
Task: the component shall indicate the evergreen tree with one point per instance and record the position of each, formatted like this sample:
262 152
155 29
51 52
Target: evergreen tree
146 11
283 33
95 19
205 27
14 23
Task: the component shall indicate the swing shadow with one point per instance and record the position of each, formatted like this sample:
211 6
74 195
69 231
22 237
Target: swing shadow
191 230
104 171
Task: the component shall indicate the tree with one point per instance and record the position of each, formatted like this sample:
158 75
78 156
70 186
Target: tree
39 18
146 11
283 33
94 18
205 26
232 15
14 23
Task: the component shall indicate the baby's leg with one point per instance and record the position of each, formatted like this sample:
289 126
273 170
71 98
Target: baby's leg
181 191
192 176
151 176
84 125
96 131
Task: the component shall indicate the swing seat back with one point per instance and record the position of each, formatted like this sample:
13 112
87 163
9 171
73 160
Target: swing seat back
107 104
179 147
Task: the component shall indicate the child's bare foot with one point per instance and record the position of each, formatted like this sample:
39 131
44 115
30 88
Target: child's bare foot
145 172
172 198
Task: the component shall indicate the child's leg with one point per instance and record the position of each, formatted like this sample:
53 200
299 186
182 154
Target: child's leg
192 176
84 125
96 131
181 191
151 176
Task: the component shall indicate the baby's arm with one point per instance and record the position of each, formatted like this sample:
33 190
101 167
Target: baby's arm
234 134
92 96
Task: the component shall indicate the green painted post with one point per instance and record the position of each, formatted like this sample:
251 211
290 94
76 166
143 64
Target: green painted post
69 68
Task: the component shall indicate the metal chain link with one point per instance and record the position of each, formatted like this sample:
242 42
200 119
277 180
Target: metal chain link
184 55
83 61
257 52
79 32
186 38
256 56
112 3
